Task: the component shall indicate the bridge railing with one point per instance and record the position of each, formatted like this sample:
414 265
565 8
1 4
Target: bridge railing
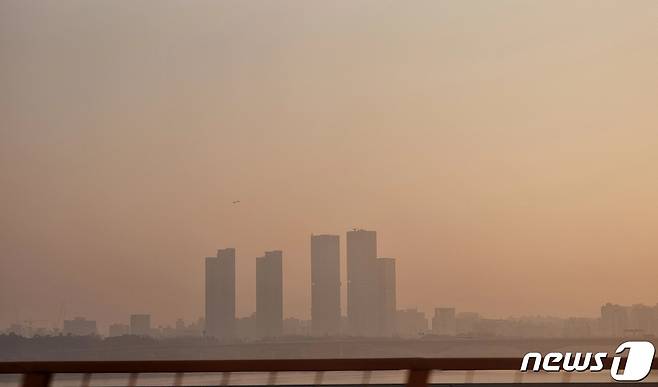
40 374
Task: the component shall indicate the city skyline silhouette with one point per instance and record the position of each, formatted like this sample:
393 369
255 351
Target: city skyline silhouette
370 309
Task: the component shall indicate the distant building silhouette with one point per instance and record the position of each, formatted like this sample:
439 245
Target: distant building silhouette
80 326
220 295
118 330
410 322
641 319
362 282
444 322
387 304
246 327
468 323
325 285
269 294
614 319
140 324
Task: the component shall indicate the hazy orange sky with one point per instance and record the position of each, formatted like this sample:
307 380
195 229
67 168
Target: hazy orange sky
506 152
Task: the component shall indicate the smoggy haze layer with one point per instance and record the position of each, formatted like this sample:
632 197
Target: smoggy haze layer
504 151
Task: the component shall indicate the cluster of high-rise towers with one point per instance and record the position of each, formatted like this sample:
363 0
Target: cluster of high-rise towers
371 292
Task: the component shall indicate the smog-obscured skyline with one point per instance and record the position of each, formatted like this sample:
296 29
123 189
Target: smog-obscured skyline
503 151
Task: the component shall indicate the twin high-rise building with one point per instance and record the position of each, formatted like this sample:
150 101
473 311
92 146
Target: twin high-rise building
325 285
269 294
371 300
220 295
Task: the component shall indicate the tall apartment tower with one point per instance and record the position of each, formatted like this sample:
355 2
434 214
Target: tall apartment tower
325 285
362 282
269 294
220 295
387 304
